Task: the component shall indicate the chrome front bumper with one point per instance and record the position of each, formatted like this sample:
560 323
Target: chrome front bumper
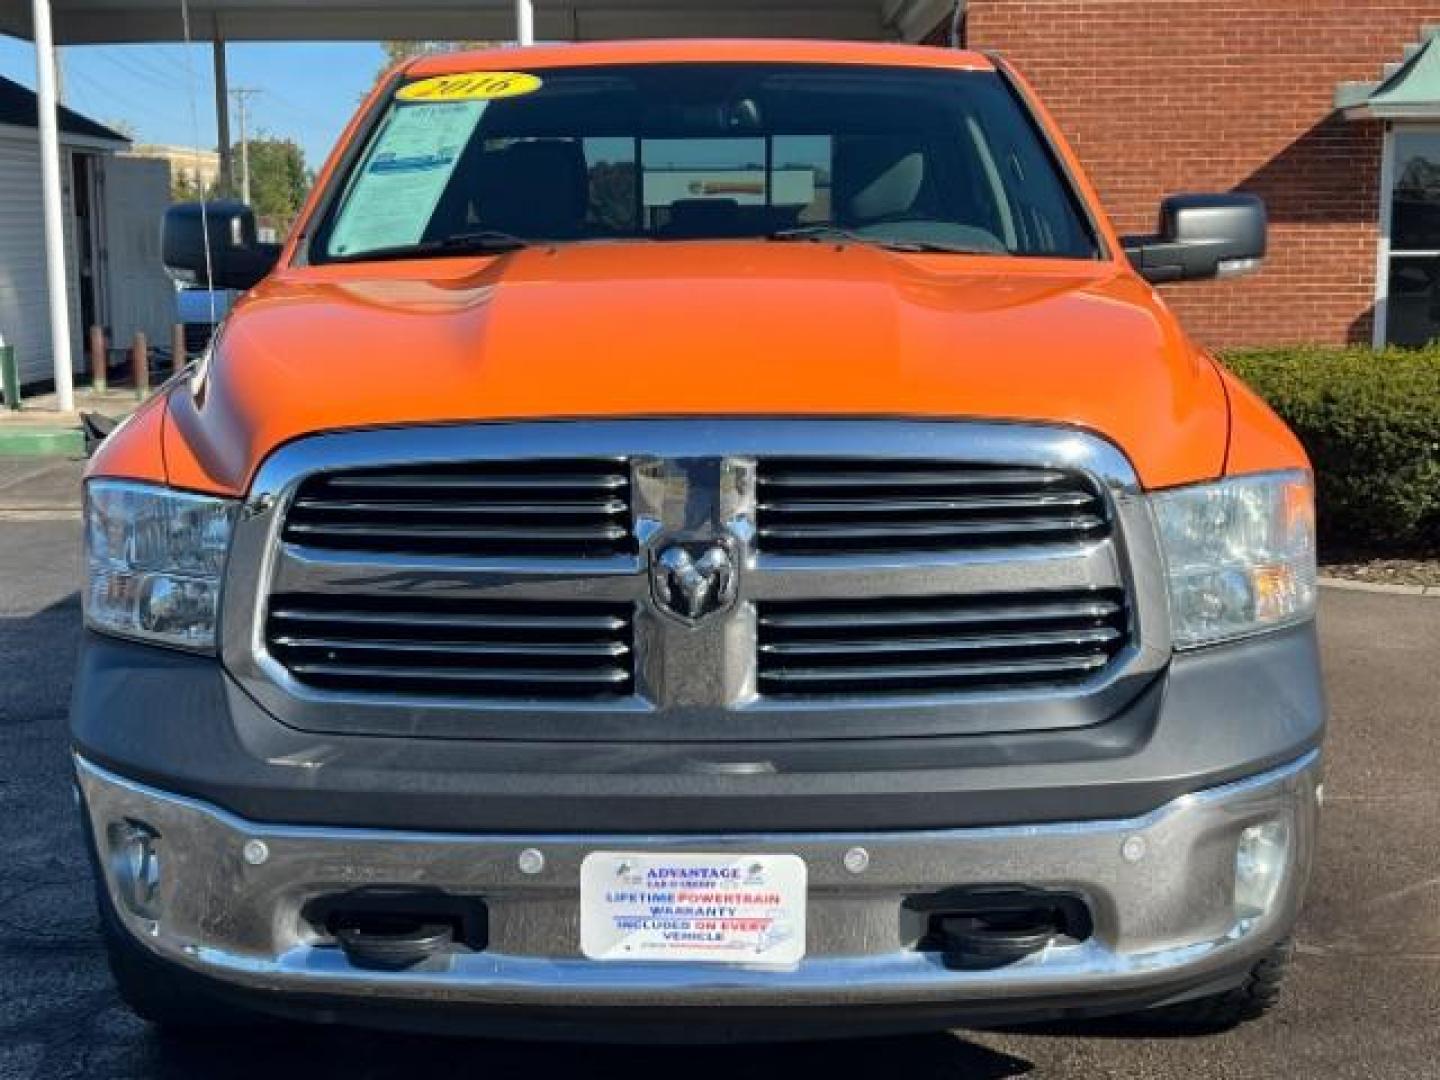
1159 888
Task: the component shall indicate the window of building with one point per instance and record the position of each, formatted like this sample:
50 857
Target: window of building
1410 276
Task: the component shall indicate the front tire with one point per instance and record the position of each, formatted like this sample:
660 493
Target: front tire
1252 999
159 994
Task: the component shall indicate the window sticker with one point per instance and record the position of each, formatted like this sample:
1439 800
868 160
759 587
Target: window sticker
396 191
472 86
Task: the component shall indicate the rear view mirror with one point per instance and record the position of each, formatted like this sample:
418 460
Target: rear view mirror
236 258
1201 236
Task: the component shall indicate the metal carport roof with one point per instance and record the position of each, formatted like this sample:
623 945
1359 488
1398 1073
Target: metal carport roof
77 22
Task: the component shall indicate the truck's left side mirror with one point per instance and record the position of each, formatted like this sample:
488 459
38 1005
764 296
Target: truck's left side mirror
235 259
1201 236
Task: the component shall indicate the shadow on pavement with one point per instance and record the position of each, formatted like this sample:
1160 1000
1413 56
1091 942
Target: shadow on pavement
316 1053
1128 1026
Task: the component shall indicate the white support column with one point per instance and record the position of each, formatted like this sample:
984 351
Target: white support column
524 22
56 272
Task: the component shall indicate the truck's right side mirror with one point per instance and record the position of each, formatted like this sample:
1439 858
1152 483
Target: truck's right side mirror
1200 237
235 258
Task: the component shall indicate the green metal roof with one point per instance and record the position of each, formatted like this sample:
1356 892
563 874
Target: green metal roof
1411 93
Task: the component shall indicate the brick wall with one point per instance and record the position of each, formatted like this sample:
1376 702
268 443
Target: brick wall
1164 96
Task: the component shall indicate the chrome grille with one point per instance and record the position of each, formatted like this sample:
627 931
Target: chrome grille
963 578
453 648
937 644
835 506
513 508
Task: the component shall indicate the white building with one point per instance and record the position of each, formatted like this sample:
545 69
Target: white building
199 169
112 209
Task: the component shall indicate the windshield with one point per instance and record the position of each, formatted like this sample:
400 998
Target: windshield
916 159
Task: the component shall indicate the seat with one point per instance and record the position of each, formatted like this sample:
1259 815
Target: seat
538 188
877 177
696 218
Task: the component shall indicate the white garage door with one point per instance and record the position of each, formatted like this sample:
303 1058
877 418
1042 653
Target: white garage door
24 314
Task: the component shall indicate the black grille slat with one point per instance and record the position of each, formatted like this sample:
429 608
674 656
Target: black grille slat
899 614
606 508
838 506
512 509
369 535
453 619
935 505
410 480
837 474
937 645
453 648
922 675
508 650
899 533
912 646
527 678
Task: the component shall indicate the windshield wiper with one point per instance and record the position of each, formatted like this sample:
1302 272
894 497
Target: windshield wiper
480 242
839 232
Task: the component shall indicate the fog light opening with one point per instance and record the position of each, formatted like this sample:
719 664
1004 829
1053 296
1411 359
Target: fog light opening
1261 857
135 867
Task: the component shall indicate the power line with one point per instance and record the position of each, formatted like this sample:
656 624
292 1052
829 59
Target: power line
81 79
123 64
158 68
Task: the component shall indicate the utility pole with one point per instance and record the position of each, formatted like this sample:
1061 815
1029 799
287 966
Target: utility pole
222 122
242 95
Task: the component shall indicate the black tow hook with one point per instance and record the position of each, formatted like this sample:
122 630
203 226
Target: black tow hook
392 945
996 938
990 926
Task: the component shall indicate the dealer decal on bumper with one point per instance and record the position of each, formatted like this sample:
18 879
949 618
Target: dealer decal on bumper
718 908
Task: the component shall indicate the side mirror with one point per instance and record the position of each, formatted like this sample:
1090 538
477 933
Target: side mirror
1201 236
237 260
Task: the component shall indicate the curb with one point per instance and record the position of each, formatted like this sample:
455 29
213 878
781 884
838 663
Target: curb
1350 585
42 442
42 513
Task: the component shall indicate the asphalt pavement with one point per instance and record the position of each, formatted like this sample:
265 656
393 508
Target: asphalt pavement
1363 1001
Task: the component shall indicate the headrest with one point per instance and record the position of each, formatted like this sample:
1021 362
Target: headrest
878 177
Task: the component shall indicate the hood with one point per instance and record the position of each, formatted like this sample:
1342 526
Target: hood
688 329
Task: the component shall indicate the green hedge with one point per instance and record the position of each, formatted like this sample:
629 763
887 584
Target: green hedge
1371 423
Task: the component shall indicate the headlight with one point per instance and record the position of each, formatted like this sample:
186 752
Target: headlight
156 559
1239 555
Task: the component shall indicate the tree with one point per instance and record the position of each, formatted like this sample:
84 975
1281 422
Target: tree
279 179
612 198
185 185
397 52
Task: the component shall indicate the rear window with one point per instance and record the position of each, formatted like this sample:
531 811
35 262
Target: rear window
700 151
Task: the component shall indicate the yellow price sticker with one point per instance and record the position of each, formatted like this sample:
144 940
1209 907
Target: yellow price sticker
471 86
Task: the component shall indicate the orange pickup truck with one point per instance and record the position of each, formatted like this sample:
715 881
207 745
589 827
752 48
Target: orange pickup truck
701 538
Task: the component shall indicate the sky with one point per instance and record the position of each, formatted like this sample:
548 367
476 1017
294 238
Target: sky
307 91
